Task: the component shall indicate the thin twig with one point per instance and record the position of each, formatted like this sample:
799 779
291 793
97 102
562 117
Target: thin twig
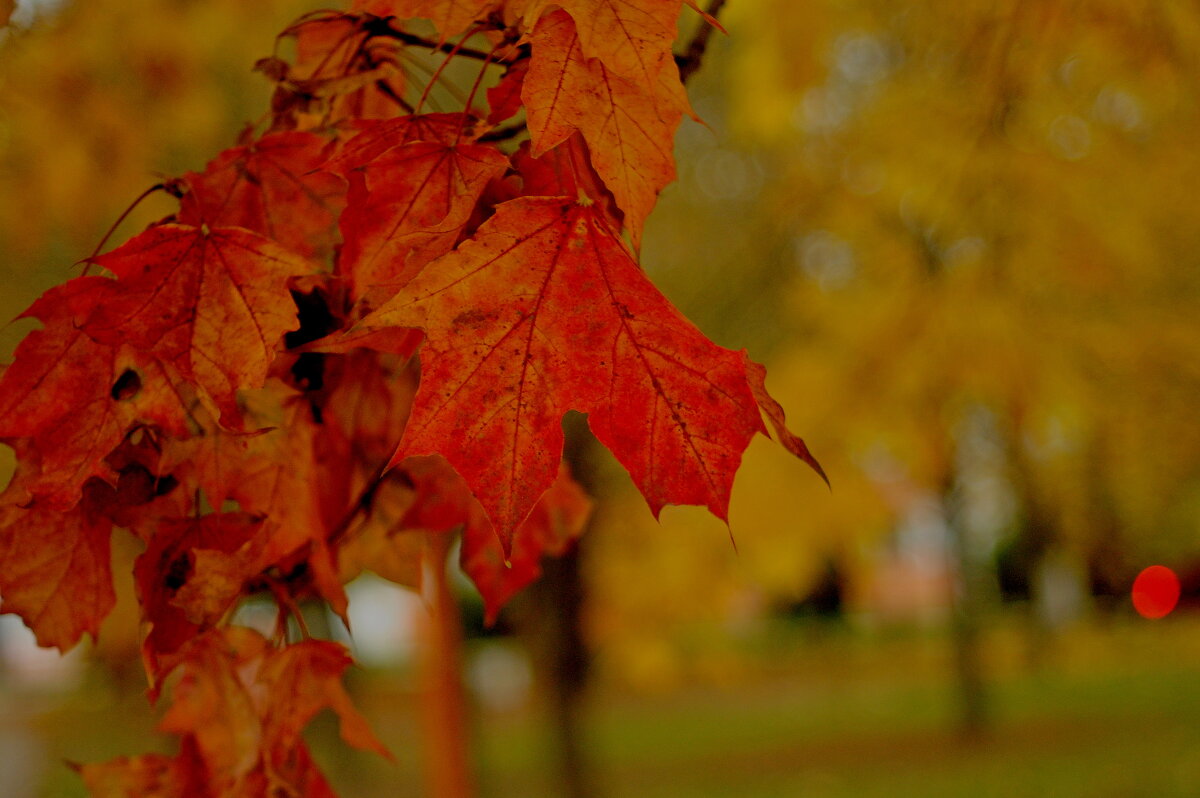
690 60
504 133
121 218
384 29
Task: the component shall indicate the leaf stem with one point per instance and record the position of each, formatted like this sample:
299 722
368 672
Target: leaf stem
453 51
124 215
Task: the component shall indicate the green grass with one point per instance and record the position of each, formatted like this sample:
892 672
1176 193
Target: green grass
1108 712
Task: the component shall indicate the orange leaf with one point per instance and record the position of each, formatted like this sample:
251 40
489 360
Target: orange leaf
443 503
377 136
504 99
774 413
168 565
629 125
557 519
241 705
303 679
150 775
631 39
450 17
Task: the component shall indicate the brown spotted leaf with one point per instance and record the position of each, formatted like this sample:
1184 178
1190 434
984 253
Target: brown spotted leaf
74 398
214 303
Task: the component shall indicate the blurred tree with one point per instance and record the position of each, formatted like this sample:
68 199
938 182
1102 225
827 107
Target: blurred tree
988 204
982 215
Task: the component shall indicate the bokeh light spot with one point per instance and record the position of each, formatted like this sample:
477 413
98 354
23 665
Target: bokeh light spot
1155 591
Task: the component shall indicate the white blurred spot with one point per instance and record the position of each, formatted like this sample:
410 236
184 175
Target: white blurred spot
500 675
823 109
861 58
383 621
1117 108
826 259
30 10
964 252
1070 137
30 665
727 175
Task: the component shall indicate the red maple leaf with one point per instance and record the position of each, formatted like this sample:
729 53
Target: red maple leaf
580 327
74 398
409 205
214 303
56 572
270 186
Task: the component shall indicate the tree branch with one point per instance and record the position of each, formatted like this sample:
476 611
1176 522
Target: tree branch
384 29
504 133
689 61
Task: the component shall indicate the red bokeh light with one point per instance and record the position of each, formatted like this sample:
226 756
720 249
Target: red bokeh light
1155 591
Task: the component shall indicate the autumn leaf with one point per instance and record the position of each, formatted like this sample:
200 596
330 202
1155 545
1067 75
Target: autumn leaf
55 567
270 186
75 398
581 328
305 678
450 17
556 521
168 566
771 408
504 99
374 137
150 775
342 72
214 303
240 706
629 125
409 206
286 475
632 39
367 401
442 504
566 171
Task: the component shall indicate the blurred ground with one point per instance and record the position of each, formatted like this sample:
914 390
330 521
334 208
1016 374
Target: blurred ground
806 708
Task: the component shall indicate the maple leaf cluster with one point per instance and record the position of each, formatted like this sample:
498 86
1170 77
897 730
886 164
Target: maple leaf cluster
363 326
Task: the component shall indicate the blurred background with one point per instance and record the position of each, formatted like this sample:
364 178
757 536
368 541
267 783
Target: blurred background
964 239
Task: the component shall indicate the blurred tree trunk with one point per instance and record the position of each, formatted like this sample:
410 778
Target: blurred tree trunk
968 591
965 628
549 616
561 661
443 703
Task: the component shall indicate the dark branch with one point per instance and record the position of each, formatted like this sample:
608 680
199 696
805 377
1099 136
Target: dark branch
690 60
383 28
504 133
